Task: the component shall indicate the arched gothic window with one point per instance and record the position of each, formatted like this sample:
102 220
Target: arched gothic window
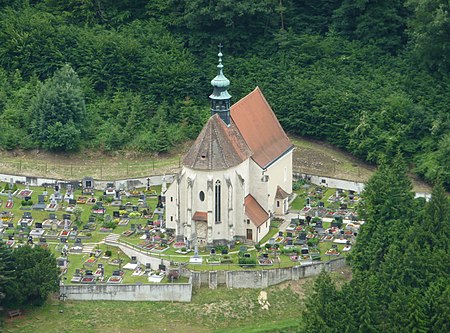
217 197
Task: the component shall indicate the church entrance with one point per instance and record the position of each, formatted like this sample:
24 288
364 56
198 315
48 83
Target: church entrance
249 234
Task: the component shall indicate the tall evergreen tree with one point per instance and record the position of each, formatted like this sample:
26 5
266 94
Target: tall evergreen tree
59 112
388 203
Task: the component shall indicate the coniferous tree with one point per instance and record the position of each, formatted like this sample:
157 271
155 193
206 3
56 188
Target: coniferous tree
59 112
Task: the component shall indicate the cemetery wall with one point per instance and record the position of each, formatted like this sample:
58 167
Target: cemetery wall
262 278
141 256
332 182
98 184
177 292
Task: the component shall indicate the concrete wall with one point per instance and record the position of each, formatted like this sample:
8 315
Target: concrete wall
177 292
141 255
99 184
332 182
262 278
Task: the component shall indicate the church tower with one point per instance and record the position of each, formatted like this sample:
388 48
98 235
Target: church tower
220 98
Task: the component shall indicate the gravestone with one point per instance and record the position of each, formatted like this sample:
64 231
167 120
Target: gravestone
224 251
42 240
63 240
27 215
38 225
289 234
148 266
116 214
133 226
66 216
280 233
52 216
133 260
72 202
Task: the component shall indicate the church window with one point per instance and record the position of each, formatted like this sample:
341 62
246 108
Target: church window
248 221
285 174
171 219
217 197
202 196
278 203
171 199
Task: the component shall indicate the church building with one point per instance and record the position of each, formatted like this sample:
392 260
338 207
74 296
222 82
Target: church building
235 177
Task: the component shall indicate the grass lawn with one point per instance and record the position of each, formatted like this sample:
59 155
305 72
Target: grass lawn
220 310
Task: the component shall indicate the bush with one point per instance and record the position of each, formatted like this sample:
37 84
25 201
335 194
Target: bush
109 224
258 247
312 242
247 261
226 259
108 253
27 203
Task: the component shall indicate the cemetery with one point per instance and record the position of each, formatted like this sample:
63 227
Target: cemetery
73 220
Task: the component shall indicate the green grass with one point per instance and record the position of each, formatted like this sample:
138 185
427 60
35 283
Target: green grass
272 232
220 310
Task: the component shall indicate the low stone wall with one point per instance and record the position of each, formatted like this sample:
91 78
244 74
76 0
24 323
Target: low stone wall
262 278
177 292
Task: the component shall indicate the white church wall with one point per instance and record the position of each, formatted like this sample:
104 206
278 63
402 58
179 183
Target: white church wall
232 198
258 185
280 174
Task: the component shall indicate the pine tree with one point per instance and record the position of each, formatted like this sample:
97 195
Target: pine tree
59 112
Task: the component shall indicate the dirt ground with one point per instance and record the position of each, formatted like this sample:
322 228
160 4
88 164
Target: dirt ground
310 157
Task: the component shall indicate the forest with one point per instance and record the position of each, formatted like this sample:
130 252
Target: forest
400 264
368 76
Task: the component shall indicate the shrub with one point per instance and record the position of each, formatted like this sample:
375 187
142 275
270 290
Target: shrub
258 247
247 261
108 253
312 241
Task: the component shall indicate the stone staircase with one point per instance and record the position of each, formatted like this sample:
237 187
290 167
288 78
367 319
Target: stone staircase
88 248
113 238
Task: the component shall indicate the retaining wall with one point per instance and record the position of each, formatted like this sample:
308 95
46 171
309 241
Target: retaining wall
262 278
178 292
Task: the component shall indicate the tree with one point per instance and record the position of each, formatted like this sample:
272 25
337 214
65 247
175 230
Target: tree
59 112
322 308
429 28
388 203
6 271
380 22
37 275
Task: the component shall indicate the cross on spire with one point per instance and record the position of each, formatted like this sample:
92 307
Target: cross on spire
220 47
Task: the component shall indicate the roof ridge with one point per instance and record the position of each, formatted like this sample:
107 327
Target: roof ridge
243 98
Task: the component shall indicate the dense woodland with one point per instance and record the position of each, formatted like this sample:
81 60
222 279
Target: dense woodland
401 278
369 76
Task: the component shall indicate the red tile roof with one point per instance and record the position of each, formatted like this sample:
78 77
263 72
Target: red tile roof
218 146
200 216
254 211
260 128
